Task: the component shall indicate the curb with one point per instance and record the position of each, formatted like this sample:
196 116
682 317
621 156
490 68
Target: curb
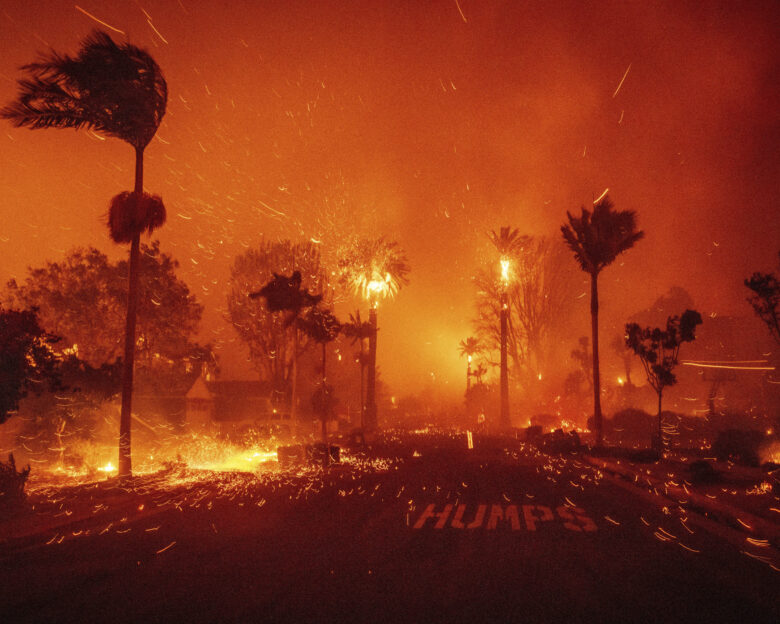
734 517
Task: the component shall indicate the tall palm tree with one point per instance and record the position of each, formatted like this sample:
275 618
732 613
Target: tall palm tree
469 347
360 331
321 325
375 269
117 90
596 239
507 242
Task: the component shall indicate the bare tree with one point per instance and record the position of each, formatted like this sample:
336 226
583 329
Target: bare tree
541 293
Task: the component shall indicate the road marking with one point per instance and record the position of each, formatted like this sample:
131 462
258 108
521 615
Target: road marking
493 516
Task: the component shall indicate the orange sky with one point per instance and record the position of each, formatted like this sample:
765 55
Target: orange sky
431 122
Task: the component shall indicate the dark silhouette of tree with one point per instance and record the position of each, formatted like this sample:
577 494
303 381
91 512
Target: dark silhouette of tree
284 294
658 350
766 300
117 90
360 331
70 412
83 299
322 327
584 358
597 239
273 338
469 348
374 269
27 358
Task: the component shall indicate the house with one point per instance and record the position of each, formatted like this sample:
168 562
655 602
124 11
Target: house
232 406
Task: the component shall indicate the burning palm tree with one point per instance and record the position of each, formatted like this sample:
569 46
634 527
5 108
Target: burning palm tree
117 90
507 242
469 347
375 269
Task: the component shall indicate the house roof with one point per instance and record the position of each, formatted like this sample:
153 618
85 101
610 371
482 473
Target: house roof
202 389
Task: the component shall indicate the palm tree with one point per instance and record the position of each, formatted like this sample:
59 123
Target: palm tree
596 239
469 347
360 331
323 327
285 294
117 90
375 269
507 242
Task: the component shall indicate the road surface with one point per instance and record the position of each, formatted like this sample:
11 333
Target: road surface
497 534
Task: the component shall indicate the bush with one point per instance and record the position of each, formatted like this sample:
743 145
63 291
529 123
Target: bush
738 446
703 472
12 483
560 442
533 433
630 424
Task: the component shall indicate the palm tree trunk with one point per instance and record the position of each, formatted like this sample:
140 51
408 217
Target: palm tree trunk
594 316
371 415
362 387
293 391
125 461
504 420
324 408
660 424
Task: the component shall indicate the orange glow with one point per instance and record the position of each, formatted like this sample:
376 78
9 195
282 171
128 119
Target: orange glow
298 124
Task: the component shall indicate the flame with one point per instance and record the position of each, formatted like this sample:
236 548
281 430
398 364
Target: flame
505 271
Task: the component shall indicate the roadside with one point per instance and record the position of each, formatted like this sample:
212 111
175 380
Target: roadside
743 499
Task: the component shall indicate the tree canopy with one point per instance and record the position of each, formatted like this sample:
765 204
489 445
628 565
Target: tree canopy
28 361
765 299
269 335
658 348
374 267
83 298
115 89
597 238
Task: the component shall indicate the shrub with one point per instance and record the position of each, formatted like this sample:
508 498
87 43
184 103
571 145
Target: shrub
738 446
560 442
702 472
12 484
630 424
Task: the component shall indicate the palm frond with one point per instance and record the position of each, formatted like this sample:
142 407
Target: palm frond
597 238
115 89
128 217
369 263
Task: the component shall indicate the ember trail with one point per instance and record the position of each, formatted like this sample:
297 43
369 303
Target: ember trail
418 312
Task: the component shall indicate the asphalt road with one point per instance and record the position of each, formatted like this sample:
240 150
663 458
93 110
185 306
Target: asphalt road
497 534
